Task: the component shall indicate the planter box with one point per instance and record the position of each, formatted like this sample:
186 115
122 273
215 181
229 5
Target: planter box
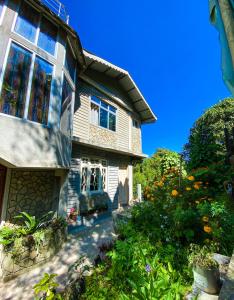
22 255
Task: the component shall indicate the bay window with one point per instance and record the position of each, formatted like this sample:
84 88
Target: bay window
29 21
103 114
66 110
26 85
70 62
93 175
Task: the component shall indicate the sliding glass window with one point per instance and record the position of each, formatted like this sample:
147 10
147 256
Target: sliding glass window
47 36
40 91
15 81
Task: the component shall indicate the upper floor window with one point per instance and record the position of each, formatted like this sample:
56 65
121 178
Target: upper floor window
102 114
70 62
47 36
26 85
27 23
66 110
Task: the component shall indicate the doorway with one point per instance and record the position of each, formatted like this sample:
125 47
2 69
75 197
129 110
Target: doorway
2 185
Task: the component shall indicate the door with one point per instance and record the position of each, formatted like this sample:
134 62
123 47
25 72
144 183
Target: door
123 186
2 185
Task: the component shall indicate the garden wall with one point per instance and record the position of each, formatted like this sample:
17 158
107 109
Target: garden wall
25 254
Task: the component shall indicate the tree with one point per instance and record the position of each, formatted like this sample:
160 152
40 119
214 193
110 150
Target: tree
207 137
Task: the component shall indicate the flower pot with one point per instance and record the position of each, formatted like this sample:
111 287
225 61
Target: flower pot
207 280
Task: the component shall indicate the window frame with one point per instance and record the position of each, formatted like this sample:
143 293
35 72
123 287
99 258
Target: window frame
88 164
106 109
28 93
40 17
68 44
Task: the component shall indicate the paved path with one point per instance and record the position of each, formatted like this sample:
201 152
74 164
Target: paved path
84 243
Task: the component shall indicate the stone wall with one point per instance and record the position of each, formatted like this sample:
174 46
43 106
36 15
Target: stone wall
102 136
136 140
32 191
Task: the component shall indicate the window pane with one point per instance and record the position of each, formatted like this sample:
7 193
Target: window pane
95 99
94 114
94 179
15 81
47 36
26 23
1 6
104 179
112 122
84 179
103 118
112 109
70 63
103 104
40 91
66 110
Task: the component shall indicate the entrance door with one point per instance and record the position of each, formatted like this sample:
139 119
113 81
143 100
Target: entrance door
123 186
2 185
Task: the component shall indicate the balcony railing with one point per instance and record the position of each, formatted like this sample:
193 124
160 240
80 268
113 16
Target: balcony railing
58 8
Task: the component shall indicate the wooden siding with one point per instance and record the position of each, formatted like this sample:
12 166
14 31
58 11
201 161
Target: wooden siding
81 117
113 183
73 184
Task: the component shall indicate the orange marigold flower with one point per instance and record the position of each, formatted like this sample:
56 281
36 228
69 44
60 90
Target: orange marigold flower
196 186
188 188
191 178
205 219
207 229
174 193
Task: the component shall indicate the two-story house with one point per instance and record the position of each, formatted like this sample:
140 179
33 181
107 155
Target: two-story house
70 122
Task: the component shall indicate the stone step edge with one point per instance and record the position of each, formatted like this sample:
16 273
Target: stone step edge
227 290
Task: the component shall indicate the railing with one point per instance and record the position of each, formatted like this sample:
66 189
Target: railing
58 8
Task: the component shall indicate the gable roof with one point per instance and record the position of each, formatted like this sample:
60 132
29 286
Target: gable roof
125 81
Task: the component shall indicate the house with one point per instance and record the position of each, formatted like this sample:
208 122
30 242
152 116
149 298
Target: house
221 16
70 122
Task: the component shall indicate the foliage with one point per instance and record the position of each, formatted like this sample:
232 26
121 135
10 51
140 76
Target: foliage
155 167
47 287
207 138
202 257
7 235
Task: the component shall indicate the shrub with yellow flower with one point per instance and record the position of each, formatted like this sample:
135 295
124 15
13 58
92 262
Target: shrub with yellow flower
207 229
196 186
188 188
191 178
174 193
205 219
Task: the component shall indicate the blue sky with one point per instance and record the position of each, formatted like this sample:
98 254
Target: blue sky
170 49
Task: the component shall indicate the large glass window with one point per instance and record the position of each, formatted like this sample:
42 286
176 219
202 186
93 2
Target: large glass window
15 81
47 36
27 22
103 114
70 63
93 175
40 91
66 111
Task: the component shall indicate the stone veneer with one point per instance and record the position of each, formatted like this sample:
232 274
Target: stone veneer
31 191
103 137
136 140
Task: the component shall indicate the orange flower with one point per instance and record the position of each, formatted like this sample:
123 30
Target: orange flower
205 219
174 193
188 188
191 178
196 186
207 229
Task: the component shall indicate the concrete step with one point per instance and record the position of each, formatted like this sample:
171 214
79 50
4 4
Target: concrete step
227 290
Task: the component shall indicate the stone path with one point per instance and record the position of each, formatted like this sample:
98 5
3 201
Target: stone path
84 243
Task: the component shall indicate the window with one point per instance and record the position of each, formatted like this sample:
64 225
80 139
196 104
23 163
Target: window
93 175
135 123
15 82
103 114
70 62
1 6
40 91
66 111
24 70
27 22
47 36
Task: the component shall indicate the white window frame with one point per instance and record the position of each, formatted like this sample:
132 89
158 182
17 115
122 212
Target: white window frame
106 109
87 163
35 43
28 93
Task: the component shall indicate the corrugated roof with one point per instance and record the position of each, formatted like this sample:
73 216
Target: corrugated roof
125 81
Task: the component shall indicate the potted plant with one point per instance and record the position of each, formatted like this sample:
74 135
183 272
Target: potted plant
205 269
